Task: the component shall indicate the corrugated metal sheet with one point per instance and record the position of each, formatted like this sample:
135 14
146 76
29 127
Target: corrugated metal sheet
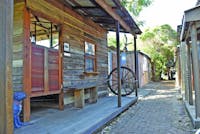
90 9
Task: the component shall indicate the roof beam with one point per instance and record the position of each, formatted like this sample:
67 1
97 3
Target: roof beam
104 15
112 13
88 7
104 21
85 7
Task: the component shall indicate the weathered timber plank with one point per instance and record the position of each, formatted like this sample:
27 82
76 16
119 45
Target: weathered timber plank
93 95
79 98
27 62
6 25
17 87
75 56
61 100
71 60
60 64
74 14
17 56
17 79
17 70
18 18
69 96
77 51
77 43
17 63
18 46
72 72
72 77
60 15
46 69
101 51
74 33
73 63
74 66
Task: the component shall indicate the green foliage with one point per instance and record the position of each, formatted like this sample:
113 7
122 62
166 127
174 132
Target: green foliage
112 40
159 44
160 35
136 6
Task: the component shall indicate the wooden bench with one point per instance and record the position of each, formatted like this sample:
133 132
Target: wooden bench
79 95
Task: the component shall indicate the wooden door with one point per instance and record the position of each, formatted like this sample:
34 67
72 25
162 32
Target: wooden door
53 69
45 71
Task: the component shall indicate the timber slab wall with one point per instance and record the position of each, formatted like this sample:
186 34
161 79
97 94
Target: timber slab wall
74 30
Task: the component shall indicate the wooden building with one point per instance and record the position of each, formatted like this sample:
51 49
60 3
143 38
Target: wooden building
60 48
189 65
144 68
144 72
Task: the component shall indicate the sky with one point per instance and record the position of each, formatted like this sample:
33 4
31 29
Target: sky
165 12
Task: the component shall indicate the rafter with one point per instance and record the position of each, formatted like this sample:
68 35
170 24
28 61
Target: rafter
112 13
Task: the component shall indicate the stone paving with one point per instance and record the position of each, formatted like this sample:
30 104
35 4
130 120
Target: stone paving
160 112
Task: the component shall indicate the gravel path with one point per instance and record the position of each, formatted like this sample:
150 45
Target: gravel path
160 112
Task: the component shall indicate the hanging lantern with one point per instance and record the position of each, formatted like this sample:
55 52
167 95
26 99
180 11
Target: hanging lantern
123 58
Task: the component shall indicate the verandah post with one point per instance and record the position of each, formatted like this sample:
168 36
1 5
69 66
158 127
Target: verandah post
190 98
118 63
6 27
195 68
136 63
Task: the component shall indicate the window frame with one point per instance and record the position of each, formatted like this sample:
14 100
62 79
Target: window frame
91 57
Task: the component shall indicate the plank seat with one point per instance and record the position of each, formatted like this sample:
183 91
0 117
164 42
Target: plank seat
79 95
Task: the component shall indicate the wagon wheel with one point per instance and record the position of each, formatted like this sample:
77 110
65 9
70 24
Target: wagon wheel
127 81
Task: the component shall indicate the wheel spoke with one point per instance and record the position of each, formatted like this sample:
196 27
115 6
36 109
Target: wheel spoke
130 78
127 81
114 75
125 90
114 84
114 80
126 74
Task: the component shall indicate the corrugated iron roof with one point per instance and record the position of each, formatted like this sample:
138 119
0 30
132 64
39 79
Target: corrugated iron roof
92 10
190 15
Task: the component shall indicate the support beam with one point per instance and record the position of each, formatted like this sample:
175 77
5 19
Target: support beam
27 63
190 95
195 59
182 68
79 98
93 95
112 13
136 63
179 66
185 64
61 50
51 38
6 27
46 70
118 63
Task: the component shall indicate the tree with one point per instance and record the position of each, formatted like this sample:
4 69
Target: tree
159 43
136 6
112 40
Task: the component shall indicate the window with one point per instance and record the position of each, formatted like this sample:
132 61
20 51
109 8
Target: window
90 57
44 33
